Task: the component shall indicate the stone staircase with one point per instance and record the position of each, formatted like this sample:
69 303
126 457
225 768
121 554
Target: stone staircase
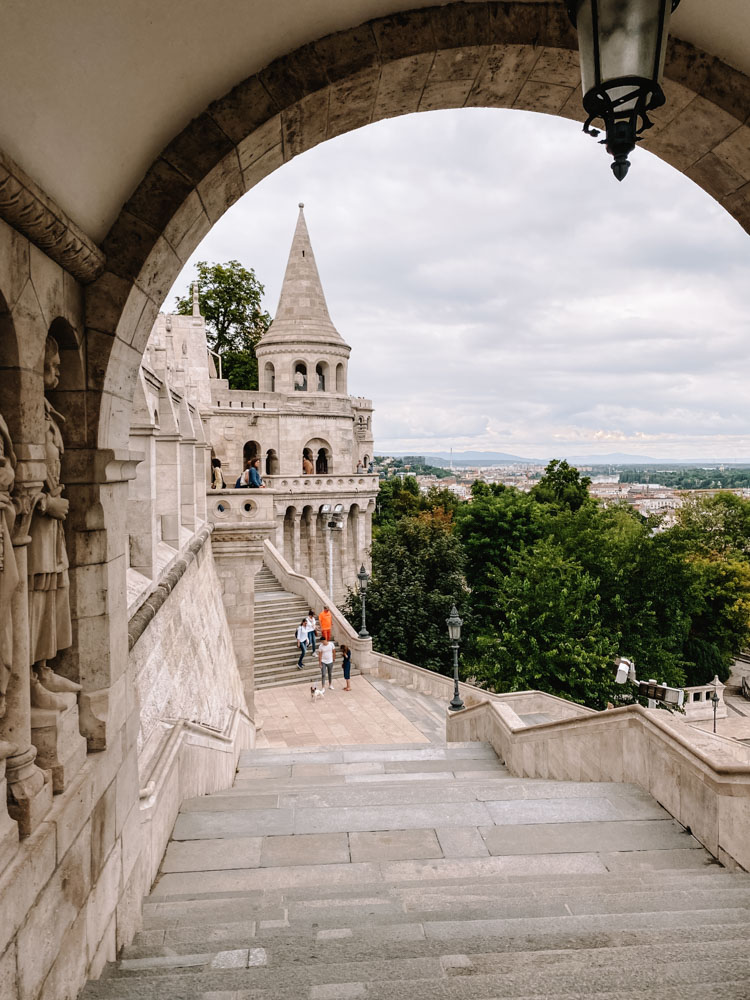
428 872
277 615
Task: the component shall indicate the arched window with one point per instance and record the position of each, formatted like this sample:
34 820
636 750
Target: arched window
321 371
272 463
250 450
321 462
308 466
269 382
317 458
340 378
300 377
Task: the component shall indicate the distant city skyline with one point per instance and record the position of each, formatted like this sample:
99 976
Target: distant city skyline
501 292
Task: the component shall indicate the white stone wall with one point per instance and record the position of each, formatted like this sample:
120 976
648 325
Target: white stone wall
184 666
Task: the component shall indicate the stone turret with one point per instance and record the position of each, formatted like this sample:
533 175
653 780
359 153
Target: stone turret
302 351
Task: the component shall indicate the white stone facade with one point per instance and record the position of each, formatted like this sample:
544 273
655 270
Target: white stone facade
302 412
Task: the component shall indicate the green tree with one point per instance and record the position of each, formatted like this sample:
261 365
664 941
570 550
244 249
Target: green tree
562 485
417 574
230 301
548 632
493 528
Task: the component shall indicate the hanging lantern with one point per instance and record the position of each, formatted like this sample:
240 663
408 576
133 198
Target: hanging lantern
622 44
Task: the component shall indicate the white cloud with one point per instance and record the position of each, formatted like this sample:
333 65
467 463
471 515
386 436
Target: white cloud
501 291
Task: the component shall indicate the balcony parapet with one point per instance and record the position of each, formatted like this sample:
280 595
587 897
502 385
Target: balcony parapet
362 483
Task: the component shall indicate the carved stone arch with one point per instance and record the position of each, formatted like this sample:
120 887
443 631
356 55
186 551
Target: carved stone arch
500 54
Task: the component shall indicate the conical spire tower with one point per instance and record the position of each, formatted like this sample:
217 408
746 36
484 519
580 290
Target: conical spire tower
302 316
302 349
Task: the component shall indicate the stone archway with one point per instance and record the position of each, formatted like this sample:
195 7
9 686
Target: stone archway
503 54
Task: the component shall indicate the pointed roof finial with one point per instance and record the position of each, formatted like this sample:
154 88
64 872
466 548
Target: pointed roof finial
302 314
196 301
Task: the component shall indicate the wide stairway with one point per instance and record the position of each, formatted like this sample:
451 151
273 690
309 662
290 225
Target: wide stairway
423 872
277 615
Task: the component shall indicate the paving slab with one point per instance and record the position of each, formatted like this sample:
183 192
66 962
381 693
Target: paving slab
220 801
564 838
306 849
394 845
242 823
573 810
461 842
212 855
402 817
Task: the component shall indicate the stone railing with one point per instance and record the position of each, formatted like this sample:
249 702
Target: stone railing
700 779
313 595
699 701
183 760
239 506
334 484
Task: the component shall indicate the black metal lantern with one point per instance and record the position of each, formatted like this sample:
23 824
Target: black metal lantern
364 578
454 624
622 44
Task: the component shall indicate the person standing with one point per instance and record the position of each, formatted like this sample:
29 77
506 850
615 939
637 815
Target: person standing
311 624
325 623
255 483
217 477
346 663
301 641
326 658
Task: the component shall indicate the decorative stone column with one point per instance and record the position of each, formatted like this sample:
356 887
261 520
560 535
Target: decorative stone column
296 531
29 788
312 542
8 826
241 526
97 485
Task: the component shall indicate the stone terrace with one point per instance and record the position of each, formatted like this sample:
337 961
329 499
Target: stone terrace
426 869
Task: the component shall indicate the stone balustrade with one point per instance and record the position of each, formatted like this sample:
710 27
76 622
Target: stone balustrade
699 701
701 779
325 484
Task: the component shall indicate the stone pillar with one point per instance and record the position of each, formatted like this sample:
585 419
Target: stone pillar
312 541
295 559
344 558
201 476
29 788
279 543
97 485
8 827
361 532
142 534
187 483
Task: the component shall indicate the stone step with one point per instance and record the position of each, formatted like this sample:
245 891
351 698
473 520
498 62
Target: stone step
403 939
478 974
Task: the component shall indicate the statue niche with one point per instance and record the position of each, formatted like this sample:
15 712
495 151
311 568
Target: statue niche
49 603
8 570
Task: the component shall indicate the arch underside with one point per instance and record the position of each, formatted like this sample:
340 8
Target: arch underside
499 55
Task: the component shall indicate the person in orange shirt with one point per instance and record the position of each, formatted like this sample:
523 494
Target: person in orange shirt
325 623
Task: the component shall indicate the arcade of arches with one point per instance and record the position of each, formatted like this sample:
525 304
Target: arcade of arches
95 225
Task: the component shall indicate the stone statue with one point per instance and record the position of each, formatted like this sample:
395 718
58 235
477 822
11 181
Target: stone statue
49 604
8 570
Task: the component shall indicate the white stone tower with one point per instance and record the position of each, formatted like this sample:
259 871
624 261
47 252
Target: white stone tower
302 351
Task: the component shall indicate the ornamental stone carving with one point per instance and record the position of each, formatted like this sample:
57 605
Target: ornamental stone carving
8 569
24 206
49 603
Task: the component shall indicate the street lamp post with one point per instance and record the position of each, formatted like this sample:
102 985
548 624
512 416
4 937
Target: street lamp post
715 703
454 624
364 578
622 45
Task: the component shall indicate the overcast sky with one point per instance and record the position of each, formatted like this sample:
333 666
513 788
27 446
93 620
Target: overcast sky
502 292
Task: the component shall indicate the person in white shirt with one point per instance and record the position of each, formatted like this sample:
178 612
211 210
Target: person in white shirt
301 641
326 656
311 629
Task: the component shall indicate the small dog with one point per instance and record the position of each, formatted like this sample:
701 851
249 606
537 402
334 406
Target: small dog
316 692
